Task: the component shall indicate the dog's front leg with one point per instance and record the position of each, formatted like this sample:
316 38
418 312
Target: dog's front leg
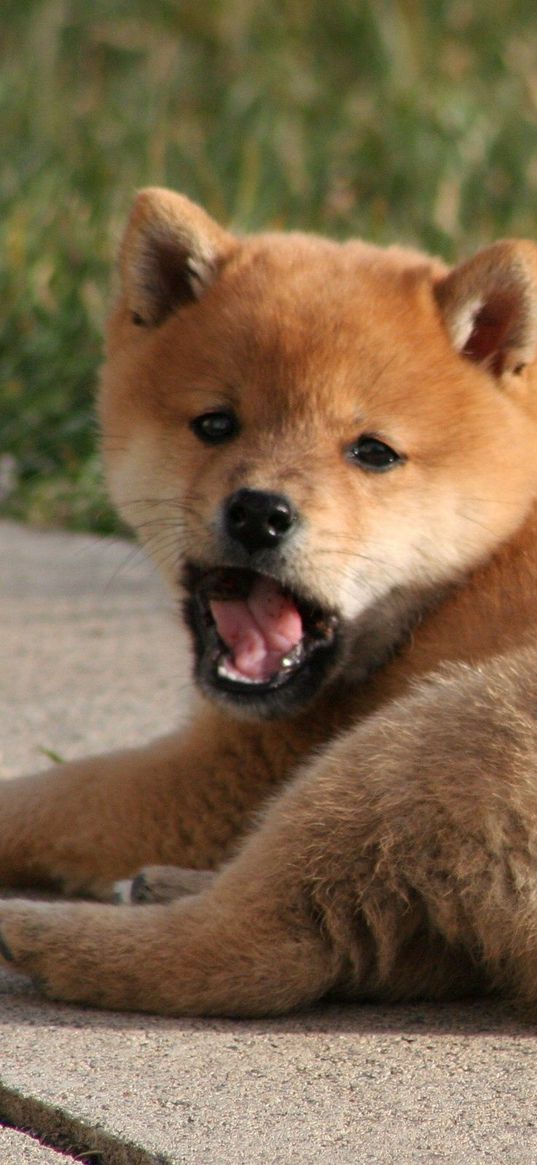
251 943
203 955
399 864
181 800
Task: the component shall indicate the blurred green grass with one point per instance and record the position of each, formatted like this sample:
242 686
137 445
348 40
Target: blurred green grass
411 121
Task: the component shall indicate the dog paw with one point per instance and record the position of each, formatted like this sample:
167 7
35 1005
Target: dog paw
96 954
51 943
23 931
78 952
162 884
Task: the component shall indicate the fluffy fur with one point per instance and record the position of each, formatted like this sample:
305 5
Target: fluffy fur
370 811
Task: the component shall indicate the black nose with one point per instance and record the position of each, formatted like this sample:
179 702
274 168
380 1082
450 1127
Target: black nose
257 519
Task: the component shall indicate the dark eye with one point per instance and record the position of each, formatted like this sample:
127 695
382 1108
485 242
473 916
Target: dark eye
370 453
214 428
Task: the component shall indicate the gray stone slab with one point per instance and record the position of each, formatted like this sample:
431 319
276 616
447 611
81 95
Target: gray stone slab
91 654
345 1085
93 660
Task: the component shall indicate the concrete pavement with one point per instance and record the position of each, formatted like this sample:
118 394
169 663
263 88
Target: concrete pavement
91 658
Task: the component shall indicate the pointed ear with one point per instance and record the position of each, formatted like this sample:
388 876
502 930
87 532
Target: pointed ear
171 252
489 306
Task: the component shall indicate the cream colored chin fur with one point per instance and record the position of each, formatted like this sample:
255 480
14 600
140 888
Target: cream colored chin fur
394 853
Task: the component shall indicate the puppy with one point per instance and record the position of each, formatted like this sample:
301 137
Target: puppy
329 451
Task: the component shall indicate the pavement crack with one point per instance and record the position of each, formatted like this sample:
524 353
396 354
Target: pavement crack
67 1152
77 1141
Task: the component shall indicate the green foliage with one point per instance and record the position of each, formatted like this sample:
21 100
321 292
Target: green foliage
398 120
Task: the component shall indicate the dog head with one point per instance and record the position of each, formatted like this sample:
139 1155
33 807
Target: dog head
313 439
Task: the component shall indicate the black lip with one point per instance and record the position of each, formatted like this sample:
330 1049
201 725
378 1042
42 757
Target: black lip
292 686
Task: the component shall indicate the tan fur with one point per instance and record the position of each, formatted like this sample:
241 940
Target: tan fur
395 850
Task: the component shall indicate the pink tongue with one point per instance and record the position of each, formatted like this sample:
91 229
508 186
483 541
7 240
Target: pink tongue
258 630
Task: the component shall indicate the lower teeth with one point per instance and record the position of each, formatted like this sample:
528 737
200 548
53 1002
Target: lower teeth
293 657
226 674
288 663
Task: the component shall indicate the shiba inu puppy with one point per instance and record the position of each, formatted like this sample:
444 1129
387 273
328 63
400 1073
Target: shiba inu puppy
330 450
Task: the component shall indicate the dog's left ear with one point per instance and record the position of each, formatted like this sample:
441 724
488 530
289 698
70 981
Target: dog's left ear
489 306
171 252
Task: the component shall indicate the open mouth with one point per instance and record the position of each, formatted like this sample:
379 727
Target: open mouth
255 637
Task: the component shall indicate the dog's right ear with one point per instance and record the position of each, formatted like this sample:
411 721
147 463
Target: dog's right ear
489 306
171 252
